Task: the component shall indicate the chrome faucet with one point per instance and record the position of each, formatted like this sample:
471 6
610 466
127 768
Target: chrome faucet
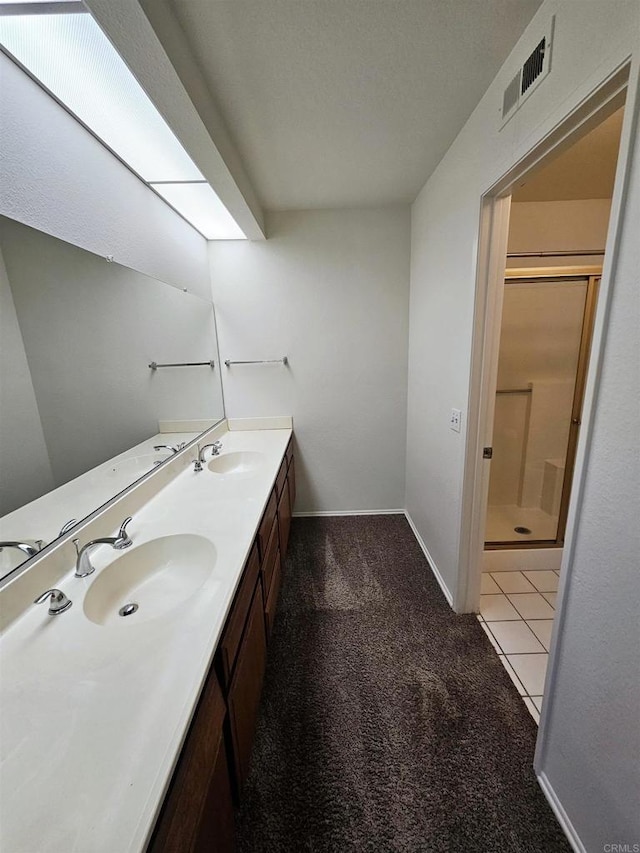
216 448
29 550
58 601
83 563
174 448
67 527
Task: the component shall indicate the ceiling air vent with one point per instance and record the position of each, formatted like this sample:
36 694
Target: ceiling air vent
533 67
528 77
511 95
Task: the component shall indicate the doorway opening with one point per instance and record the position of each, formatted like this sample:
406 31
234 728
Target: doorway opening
544 233
559 216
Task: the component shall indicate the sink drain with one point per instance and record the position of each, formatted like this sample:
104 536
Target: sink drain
128 609
524 530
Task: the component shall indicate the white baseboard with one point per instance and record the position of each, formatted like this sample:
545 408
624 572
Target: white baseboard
529 559
431 561
563 819
336 512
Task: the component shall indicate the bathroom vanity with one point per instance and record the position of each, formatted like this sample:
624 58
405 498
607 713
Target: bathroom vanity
197 813
134 732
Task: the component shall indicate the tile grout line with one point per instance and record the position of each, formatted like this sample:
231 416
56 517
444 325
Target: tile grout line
502 655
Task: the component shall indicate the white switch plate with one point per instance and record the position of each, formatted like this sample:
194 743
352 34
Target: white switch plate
455 420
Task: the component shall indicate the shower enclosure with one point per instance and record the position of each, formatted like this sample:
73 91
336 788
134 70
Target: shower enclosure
545 338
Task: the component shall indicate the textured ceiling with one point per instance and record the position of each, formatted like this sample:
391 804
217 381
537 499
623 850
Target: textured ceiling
346 103
586 170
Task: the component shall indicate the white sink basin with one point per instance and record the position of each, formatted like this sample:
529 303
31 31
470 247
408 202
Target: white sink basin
238 465
158 577
135 466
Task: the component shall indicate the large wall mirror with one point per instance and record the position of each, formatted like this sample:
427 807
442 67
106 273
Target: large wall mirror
78 398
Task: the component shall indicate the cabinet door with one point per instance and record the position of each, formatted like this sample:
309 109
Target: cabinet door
291 480
197 813
244 694
270 560
272 599
267 520
284 522
281 479
234 627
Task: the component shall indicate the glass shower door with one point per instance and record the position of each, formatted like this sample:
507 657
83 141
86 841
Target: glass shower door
544 342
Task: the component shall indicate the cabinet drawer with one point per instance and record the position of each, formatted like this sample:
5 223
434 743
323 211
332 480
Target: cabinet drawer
266 523
272 598
288 454
281 479
232 634
244 694
269 561
188 823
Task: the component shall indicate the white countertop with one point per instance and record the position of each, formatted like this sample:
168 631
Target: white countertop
93 717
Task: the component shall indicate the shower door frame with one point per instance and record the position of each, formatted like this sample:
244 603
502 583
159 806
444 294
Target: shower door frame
592 275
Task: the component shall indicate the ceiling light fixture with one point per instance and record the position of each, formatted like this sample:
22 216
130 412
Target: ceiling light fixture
62 47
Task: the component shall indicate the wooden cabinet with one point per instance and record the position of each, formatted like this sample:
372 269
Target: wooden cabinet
268 564
272 597
197 814
284 521
243 699
281 479
267 521
291 481
229 645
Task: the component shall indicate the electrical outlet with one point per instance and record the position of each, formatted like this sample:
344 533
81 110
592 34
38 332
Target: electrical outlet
455 420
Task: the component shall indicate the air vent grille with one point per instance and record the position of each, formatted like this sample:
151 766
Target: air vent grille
530 74
511 95
534 66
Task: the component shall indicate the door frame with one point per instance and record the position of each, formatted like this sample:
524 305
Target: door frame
618 89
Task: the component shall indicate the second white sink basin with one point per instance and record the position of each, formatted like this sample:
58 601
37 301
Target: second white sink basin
155 577
240 464
134 466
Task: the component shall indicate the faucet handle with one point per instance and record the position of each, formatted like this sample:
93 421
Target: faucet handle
67 527
123 540
58 601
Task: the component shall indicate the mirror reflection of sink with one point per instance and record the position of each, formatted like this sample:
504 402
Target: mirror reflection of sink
135 466
245 463
158 577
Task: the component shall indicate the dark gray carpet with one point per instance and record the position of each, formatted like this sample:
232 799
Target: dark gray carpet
387 722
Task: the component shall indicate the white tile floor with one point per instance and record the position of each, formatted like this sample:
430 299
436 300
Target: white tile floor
516 613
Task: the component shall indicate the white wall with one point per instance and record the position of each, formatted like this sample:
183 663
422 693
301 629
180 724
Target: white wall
25 469
591 749
557 226
56 177
330 290
589 775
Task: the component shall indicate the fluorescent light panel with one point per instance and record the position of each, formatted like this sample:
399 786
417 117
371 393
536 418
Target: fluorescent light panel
201 206
72 58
